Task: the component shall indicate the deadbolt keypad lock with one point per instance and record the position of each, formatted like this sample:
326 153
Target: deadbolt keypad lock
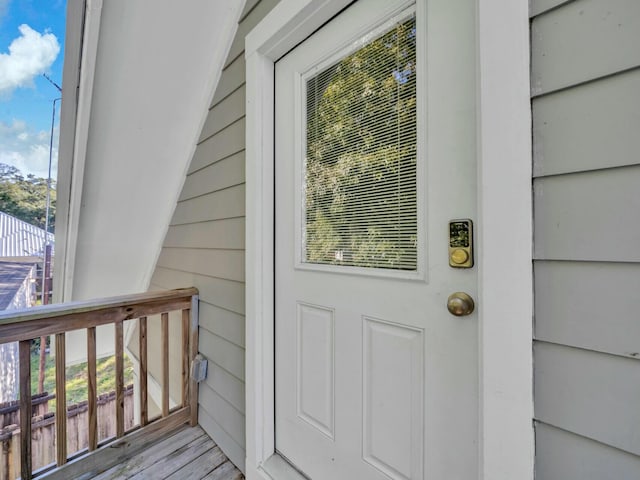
461 243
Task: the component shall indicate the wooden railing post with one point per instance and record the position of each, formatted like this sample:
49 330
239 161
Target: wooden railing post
92 398
23 326
144 396
119 379
6 456
193 351
61 400
165 363
14 462
185 356
25 409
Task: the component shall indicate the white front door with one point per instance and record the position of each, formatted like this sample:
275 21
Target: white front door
375 155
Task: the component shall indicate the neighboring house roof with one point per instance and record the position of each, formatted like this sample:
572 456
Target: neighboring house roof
21 239
12 277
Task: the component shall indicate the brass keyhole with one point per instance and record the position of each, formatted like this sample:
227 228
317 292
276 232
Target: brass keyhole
460 304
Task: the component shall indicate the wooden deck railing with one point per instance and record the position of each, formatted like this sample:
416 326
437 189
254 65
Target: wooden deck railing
24 325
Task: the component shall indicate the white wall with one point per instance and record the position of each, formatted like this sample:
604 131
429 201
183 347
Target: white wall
156 67
24 296
157 63
586 171
205 245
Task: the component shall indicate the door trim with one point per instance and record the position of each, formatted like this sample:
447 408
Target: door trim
506 443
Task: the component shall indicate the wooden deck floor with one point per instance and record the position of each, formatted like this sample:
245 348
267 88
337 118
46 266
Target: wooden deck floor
188 454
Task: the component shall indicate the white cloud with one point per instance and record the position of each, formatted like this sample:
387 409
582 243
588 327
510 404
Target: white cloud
27 149
29 55
7 130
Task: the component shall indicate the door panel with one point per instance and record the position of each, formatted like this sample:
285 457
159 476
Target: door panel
374 378
315 370
392 407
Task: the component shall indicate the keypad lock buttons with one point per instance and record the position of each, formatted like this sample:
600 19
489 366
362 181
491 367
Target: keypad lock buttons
461 243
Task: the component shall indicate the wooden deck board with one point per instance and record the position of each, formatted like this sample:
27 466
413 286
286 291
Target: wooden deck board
226 471
208 461
188 454
151 455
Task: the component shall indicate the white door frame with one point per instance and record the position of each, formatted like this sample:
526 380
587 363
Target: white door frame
504 232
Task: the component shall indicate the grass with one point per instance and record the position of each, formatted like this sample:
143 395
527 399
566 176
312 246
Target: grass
76 376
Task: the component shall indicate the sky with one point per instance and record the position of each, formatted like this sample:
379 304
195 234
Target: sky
31 43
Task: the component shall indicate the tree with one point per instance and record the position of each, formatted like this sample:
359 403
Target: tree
360 170
25 198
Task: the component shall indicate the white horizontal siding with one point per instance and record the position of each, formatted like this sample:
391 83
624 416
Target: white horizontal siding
224 323
227 386
226 203
227 294
585 83
225 173
225 264
226 142
250 20
562 455
584 40
592 394
223 353
592 126
226 233
232 449
588 216
575 305
204 246
230 419
228 110
232 79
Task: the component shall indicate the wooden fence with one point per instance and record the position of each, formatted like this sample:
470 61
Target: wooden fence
25 325
43 429
10 411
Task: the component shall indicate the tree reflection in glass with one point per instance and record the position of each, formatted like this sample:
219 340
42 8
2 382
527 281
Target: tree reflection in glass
360 169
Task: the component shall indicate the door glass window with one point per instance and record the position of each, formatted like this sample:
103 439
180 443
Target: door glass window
360 203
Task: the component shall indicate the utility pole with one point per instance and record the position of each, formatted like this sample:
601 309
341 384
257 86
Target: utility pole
46 261
48 202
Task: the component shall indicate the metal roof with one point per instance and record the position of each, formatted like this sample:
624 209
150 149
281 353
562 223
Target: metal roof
21 239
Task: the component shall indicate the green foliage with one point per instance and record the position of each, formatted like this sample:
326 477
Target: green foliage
361 156
25 197
76 375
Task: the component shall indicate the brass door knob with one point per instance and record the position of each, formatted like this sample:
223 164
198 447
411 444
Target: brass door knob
460 304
